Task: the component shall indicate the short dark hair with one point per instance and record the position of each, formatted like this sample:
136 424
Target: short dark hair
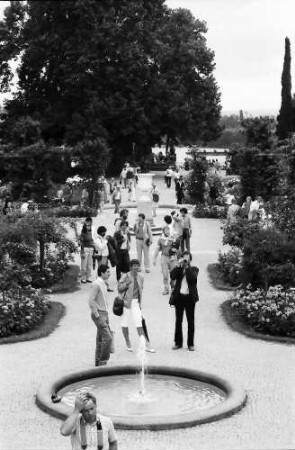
102 269
101 230
186 252
88 219
123 212
133 262
141 215
168 219
184 210
124 222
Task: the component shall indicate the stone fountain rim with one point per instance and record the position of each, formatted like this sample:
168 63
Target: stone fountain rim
236 397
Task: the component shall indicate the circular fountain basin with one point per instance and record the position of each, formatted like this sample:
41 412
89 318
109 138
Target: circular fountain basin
173 397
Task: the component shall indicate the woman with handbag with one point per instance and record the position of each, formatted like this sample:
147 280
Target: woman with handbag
130 286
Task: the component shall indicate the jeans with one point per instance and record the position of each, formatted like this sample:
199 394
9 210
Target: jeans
186 240
184 303
103 337
142 247
86 263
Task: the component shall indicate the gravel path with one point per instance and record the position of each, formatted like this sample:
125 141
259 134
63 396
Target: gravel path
265 370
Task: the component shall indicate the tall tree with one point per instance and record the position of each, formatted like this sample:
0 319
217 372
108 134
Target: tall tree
285 115
127 72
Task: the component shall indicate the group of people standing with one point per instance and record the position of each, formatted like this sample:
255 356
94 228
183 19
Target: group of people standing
173 242
250 209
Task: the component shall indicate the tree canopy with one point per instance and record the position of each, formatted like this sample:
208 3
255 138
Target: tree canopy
127 73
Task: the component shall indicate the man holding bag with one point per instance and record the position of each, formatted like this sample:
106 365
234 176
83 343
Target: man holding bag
98 304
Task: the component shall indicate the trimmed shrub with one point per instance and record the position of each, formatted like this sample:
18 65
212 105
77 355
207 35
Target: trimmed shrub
230 266
235 234
21 310
269 312
269 259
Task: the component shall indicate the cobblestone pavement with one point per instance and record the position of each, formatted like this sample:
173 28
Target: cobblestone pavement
265 370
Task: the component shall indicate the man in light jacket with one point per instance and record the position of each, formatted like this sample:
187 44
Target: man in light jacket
98 303
144 240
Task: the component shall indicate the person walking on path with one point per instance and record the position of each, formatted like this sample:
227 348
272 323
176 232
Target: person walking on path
131 190
89 429
165 244
87 247
123 176
186 230
130 286
98 304
179 188
168 177
123 240
101 246
117 198
233 212
177 226
155 193
144 240
122 216
185 295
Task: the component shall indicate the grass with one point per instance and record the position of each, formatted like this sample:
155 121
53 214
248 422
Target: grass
45 327
216 279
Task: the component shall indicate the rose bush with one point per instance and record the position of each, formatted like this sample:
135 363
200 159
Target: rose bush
21 310
230 266
270 312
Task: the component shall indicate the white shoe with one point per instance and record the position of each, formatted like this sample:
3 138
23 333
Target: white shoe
150 350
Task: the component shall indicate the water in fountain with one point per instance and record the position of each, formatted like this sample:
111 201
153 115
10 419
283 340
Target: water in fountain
155 395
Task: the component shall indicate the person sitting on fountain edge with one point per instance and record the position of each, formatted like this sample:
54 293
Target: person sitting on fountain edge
87 428
185 295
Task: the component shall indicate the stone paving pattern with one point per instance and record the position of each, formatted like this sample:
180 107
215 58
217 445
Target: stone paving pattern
265 370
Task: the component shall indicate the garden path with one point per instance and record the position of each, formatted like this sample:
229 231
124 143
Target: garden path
265 370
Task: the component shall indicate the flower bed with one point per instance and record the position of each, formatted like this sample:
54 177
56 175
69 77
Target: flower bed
209 212
21 311
269 312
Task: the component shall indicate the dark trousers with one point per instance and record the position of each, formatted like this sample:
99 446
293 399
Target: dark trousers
103 337
123 262
185 241
184 303
168 182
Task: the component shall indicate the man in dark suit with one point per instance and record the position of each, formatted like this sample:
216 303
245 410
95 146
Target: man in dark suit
185 296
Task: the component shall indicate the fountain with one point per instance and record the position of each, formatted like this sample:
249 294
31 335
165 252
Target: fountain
162 398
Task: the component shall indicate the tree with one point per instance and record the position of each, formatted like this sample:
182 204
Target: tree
127 72
285 115
259 173
91 158
197 178
258 131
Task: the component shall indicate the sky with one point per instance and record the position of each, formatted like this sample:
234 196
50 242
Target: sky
248 39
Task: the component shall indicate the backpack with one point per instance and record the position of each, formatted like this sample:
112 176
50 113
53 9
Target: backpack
156 197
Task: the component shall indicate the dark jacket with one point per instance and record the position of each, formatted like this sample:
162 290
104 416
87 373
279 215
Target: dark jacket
191 274
119 239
